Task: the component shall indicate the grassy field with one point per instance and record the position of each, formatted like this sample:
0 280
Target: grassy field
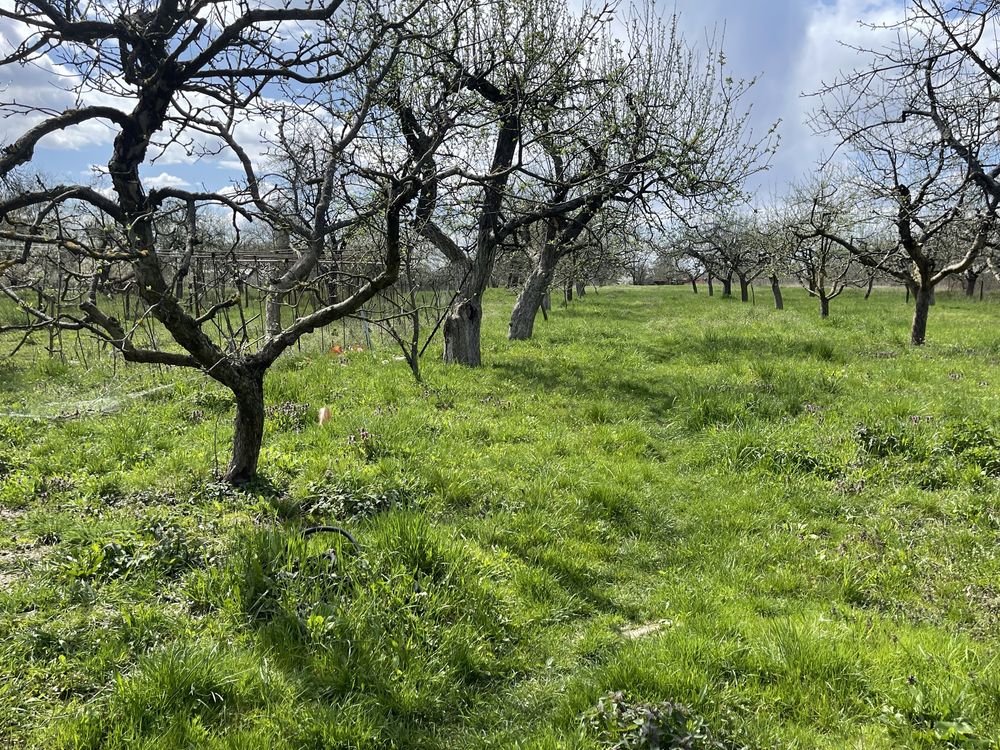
666 514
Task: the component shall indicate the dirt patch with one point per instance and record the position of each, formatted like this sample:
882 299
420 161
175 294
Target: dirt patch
17 562
8 515
650 628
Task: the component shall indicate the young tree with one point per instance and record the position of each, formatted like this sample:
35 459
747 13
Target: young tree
167 75
822 266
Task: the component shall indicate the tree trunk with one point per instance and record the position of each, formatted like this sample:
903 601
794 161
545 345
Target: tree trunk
248 428
532 298
190 245
581 289
283 280
711 287
871 285
779 302
970 284
824 305
744 289
568 292
462 332
918 333
727 286
694 285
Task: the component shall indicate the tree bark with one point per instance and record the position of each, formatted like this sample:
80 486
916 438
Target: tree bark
532 298
779 301
711 287
581 289
923 296
248 427
694 285
727 286
871 285
824 305
744 289
462 329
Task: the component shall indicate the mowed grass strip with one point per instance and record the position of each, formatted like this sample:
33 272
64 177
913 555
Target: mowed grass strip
759 528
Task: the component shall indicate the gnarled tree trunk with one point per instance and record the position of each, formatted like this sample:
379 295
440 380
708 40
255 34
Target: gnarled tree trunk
970 284
533 297
744 289
824 304
283 280
190 245
711 287
727 286
462 329
248 427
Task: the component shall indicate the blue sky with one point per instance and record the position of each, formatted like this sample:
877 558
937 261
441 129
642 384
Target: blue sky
791 44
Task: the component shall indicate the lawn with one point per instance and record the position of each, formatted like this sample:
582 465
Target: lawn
735 526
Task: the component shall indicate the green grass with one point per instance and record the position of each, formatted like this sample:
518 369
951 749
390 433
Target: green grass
788 527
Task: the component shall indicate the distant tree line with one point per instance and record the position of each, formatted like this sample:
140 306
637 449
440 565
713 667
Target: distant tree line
909 196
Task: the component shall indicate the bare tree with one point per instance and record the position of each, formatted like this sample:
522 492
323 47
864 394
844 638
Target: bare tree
947 55
725 245
187 76
513 61
661 124
918 125
810 214
941 223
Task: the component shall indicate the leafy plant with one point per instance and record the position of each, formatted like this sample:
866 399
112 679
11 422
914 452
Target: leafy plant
618 723
288 416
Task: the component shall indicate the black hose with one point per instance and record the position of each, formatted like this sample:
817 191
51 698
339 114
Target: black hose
332 530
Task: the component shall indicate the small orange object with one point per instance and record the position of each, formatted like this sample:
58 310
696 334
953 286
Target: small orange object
338 349
324 415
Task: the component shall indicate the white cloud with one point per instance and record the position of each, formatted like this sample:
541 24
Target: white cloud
165 179
827 48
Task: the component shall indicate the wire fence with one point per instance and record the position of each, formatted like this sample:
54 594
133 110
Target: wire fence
228 289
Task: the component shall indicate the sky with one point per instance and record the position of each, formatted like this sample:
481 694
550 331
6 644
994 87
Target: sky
791 45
